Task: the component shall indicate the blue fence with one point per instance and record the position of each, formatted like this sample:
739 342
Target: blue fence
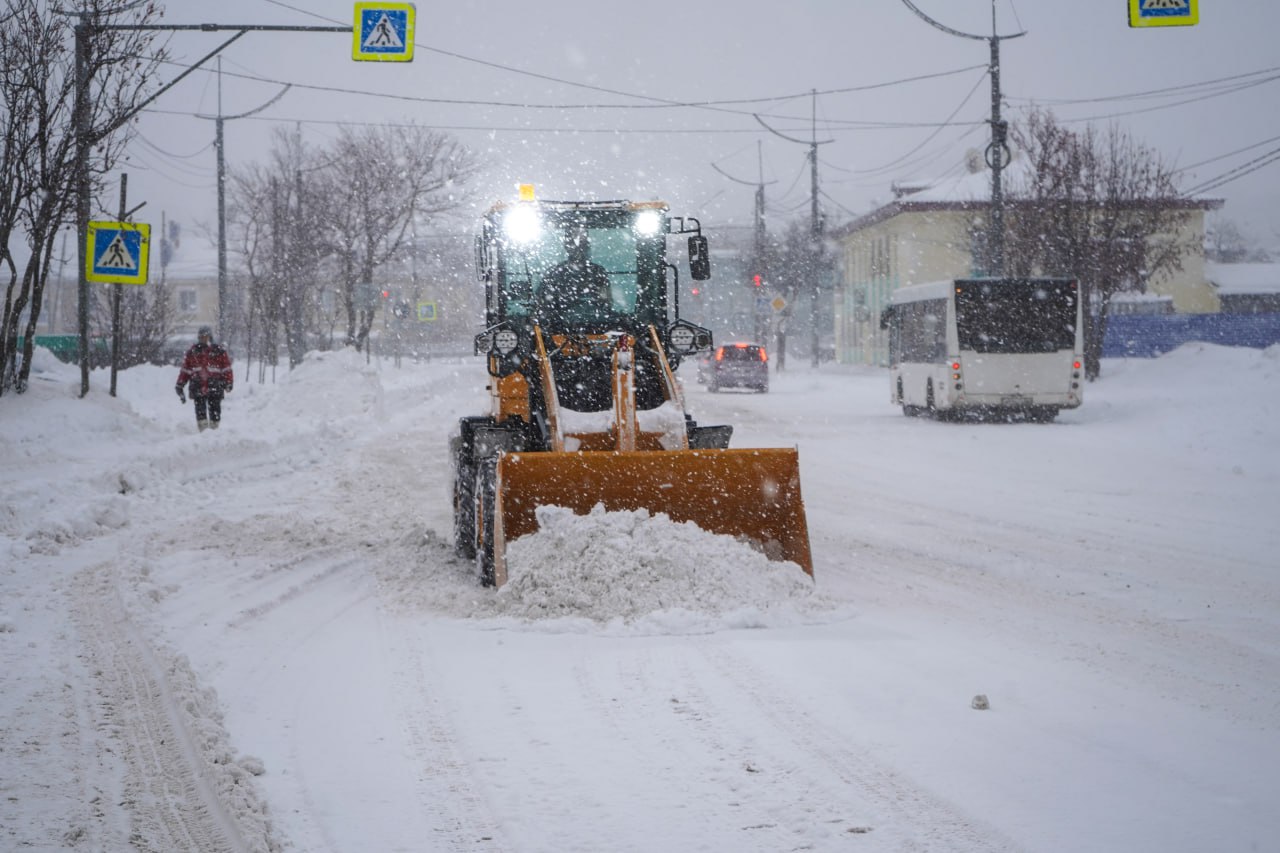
1147 336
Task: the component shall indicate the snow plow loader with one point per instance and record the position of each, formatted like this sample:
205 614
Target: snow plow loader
582 339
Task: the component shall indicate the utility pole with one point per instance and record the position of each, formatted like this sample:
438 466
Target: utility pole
80 109
759 231
815 224
997 154
219 145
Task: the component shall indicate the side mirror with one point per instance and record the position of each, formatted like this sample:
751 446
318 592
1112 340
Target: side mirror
699 260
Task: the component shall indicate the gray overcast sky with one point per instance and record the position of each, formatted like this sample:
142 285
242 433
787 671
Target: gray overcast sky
606 66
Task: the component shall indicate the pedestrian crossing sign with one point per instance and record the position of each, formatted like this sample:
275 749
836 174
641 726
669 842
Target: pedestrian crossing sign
426 312
1164 13
117 252
383 32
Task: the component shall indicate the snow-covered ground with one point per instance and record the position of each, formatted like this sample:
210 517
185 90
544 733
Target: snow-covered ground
257 638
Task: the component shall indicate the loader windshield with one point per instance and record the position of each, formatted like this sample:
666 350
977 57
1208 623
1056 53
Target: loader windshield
588 270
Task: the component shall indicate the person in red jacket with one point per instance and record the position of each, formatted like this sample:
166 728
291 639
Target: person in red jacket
208 368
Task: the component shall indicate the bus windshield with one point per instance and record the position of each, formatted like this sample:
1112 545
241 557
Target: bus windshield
1016 316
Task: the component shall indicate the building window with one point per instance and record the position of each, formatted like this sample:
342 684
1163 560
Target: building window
187 301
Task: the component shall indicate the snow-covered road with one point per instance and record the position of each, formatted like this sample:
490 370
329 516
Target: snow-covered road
258 639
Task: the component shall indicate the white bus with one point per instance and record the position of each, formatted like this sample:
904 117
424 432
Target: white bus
1006 348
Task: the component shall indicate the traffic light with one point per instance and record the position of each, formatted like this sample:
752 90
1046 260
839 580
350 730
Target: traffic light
757 281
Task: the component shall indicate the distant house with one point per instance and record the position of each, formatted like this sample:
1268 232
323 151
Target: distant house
191 280
928 233
1246 288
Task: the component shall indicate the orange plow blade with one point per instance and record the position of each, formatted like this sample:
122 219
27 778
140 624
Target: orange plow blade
748 492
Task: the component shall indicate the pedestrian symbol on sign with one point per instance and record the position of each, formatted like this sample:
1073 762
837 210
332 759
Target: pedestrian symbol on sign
116 256
383 35
383 32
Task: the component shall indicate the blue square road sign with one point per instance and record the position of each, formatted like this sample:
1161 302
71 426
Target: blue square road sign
383 32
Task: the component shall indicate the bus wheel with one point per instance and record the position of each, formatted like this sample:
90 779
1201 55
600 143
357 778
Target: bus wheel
1043 415
909 411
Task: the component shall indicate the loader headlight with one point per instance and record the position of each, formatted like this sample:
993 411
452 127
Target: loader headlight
682 338
522 224
685 338
505 341
648 223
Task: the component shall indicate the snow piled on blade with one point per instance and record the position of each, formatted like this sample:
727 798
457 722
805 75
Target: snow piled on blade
635 571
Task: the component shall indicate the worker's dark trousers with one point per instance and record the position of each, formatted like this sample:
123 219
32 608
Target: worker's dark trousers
208 410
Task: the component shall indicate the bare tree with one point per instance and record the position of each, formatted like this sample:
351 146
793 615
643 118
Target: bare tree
254 234
146 322
379 181
801 267
315 224
1103 208
1229 243
38 142
275 219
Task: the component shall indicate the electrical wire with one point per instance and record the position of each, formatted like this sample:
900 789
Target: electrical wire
1167 91
1234 174
1215 94
658 103
1225 156
143 138
895 162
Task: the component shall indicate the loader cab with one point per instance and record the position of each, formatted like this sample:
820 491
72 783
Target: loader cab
586 275
527 254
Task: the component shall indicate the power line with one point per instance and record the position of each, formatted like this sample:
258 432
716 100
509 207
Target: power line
1225 156
1184 102
657 103
143 138
1168 90
1238 172
563 130
892 163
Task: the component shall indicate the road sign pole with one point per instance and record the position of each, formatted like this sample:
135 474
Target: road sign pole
116 290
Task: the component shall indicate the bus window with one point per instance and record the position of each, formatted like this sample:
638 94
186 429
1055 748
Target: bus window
1014 316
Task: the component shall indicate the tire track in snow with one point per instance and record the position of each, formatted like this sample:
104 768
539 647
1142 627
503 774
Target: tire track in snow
446 788
167 790
294 591
663 723
916 819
